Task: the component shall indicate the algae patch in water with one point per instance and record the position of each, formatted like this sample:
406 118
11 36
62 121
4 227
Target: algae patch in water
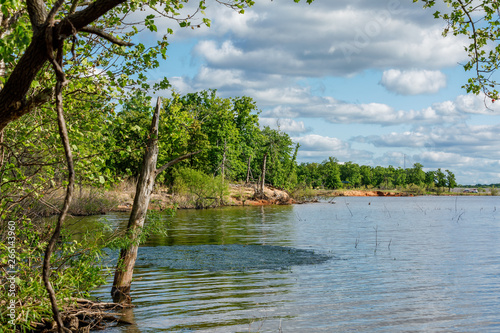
227 257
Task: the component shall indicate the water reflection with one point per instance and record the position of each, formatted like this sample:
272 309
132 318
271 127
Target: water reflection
425 264
129 325
229 225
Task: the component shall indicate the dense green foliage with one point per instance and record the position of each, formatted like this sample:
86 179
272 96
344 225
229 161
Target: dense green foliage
226 130
77 265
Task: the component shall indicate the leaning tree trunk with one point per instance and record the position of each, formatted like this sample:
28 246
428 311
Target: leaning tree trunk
125 267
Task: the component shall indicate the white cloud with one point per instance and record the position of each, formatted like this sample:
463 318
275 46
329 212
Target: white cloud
317 148
477 104
298 39
413 82
180 85
339 112
284 124
480 141
283 99
314 142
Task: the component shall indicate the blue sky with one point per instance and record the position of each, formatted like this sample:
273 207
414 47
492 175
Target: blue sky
372 82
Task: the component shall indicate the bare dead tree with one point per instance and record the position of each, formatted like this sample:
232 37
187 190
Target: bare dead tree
125 267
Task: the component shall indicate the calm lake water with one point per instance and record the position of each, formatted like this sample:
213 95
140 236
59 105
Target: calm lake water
421 264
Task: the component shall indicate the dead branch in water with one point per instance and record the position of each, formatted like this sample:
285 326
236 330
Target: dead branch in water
82 315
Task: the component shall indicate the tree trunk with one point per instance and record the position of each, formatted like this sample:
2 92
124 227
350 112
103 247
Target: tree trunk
248 169
67 201
263 174
2 149
125 267
224 161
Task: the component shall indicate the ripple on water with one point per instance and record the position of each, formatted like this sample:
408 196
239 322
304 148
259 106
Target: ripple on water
423 264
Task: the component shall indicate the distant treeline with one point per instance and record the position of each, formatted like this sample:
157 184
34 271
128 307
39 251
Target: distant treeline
332 174
480 186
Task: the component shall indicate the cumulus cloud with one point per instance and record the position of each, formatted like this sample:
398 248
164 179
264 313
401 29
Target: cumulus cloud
479 141
298 39
284 124
413 82
283 99
317 148
476 104
314 142
340 112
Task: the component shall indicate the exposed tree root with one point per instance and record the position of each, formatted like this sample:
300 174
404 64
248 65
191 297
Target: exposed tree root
83 315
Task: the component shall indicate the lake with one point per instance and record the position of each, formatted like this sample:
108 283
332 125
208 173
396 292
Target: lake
408 264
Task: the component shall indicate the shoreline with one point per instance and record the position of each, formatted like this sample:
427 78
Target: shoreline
243 195
120 199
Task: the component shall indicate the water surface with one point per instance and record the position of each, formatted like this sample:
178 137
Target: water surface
421 264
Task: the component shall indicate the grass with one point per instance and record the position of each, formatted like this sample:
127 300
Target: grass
86 201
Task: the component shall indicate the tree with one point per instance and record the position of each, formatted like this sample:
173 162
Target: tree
128 136
416 175
145 184
366 175
380 177
52 26
430 176
450 180
218 124
399 177
479 21
311 174
440 179
65 20
275 156
351 172
225 128
247 124
29 51
331 172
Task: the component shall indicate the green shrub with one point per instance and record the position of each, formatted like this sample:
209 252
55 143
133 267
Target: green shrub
303 193
493 190
202 190
414 189
76 269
